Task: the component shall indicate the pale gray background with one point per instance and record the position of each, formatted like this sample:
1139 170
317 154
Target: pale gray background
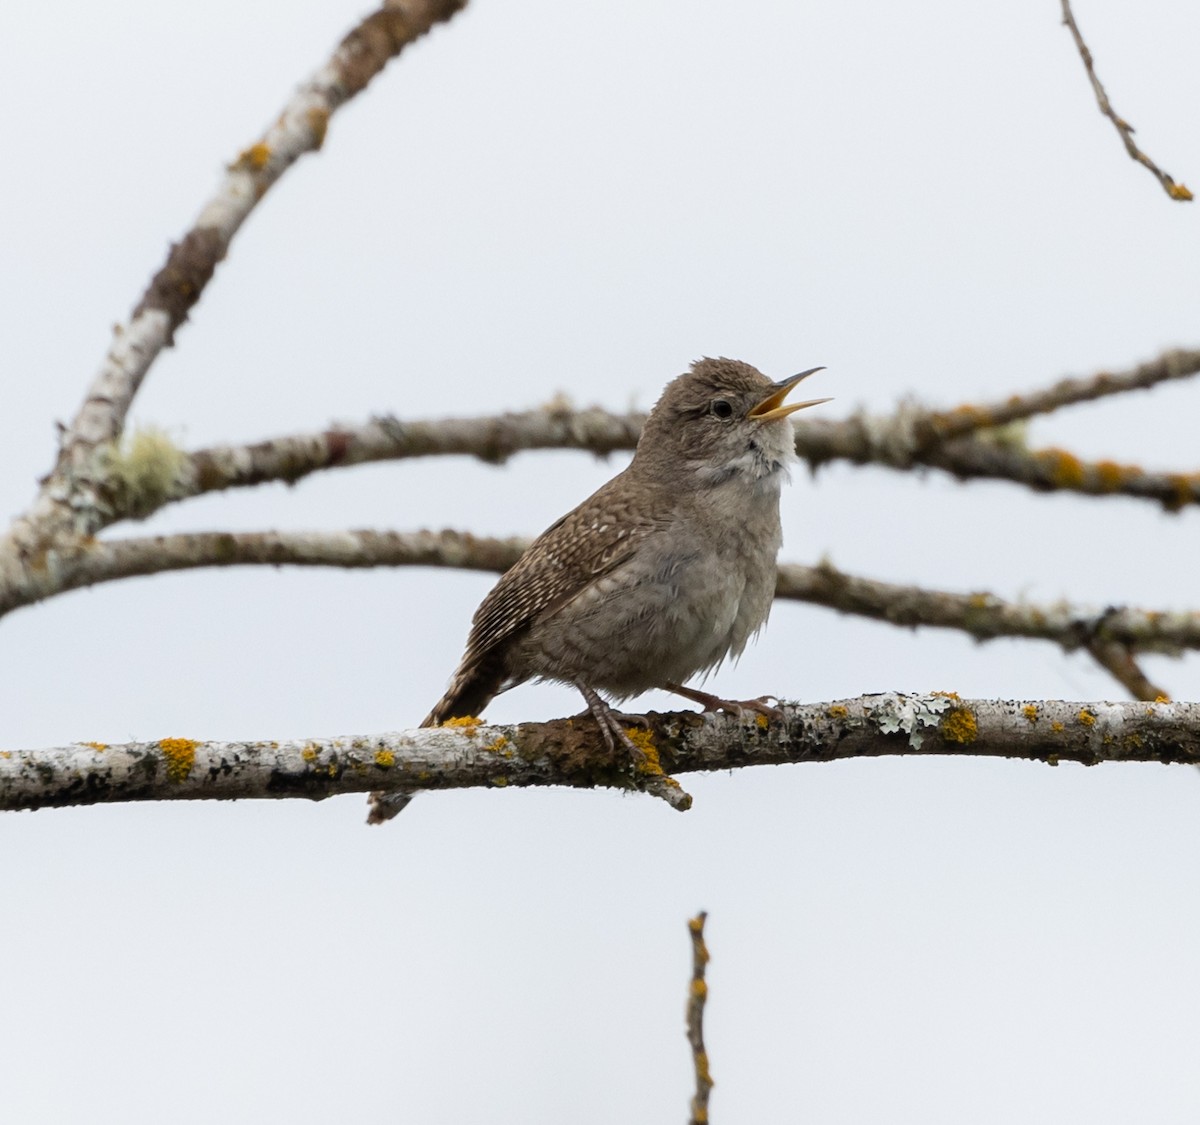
582 198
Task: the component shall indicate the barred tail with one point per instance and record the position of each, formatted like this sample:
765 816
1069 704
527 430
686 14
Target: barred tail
474 686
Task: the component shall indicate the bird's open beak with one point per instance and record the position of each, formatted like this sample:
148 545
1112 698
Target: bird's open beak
772 406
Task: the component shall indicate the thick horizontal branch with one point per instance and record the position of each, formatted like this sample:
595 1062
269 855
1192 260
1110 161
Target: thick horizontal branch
571 752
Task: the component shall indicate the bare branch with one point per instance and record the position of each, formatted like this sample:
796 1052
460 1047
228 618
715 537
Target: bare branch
571 751
912 435
1124 130
967 419
985 616
982 615
300 128
386 438
697 995
1119 662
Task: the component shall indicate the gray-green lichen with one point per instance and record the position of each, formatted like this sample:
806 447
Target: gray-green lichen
143 470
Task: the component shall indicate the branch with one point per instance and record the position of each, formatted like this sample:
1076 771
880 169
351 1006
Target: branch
386 438
697 995
1124 129
982 615
571 751
968 419
178 285
985 616
912 435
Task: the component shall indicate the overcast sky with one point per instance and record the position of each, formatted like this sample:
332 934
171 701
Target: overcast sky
547 198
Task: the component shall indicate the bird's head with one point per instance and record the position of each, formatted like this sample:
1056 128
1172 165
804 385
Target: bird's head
724 418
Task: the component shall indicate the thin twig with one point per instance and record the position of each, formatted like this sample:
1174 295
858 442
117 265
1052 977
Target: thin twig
945 425
1175 190
697 996
1119 662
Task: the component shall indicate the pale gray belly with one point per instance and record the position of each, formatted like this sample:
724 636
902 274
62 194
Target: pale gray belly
662 616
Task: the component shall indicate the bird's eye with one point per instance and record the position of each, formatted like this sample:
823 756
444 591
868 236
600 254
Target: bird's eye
720 408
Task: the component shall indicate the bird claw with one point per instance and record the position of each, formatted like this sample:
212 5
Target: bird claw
735 707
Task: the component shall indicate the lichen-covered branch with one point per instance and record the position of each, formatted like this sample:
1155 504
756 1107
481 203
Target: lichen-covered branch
1124 130
1112 635
78 498
986 616
968 441
697 996
386 438
571 752
300 128
969 418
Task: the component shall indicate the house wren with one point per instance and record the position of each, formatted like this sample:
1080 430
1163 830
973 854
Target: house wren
659 575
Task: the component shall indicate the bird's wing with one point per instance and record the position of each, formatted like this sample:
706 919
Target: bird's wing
561 563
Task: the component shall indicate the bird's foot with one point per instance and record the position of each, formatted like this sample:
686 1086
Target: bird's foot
651 777
737 708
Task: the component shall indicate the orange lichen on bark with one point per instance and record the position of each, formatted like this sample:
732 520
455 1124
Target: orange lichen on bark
180 755
959 725
1064 469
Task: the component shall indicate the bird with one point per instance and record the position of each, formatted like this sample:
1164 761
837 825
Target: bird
659 576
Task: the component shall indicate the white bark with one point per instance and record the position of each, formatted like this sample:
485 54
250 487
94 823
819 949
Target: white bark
469 754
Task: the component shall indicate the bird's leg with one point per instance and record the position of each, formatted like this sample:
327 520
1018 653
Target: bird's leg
650 776
733 707
609 720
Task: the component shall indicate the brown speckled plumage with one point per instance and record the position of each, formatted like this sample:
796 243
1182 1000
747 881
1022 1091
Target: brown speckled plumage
662 572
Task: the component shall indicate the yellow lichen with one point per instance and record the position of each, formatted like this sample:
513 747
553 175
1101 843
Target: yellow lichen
1184 485
180 754
762 721
945 694
497 746
644 741
309 753
958 725
1057 727
1180 192
1064 469
838 711
699 989
385 758
1030 712
1086 717
318 122
1160 698
101 746
466 723
254 159
499 782
1109 475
